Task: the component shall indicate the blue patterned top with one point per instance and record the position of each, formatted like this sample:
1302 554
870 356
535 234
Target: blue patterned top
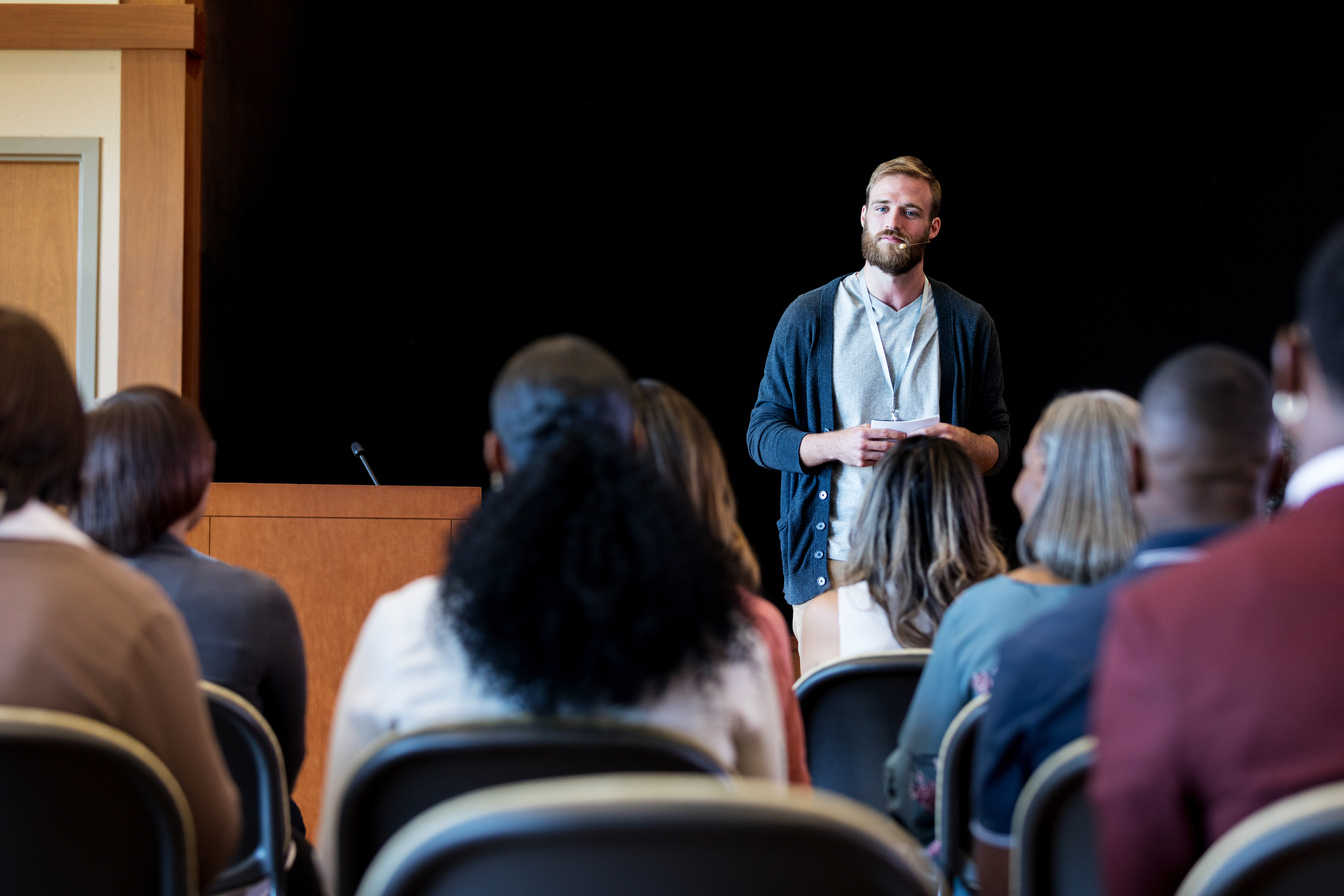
962 666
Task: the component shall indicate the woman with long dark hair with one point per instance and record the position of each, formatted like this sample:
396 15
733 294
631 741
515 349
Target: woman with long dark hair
922 536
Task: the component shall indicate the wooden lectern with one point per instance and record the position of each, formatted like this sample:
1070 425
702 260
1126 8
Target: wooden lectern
335 549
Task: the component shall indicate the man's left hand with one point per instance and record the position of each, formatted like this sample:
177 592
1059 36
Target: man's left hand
982 449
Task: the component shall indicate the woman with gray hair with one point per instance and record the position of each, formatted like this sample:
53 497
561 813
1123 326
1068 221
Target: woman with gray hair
1079 527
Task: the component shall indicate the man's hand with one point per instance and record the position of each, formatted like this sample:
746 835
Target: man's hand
858 446
982 449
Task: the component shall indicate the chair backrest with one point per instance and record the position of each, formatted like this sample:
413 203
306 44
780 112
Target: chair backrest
1294 845
651 834
403 775
852 710
85 808
952 809
253 756
1054 830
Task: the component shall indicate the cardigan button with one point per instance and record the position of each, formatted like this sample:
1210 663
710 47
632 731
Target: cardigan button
820 526
821 581
822 494
819 554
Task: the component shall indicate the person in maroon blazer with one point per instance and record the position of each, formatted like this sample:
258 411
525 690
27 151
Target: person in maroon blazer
1219 686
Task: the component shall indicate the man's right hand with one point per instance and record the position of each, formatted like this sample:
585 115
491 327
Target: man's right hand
858 446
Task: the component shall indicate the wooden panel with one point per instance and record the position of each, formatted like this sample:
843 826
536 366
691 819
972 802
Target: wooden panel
153 104
335 550
199 537
344 501
44 26
359 560
191 243
39 245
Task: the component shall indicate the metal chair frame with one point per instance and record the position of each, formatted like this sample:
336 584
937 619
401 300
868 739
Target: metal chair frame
1293 845
402 775
1054 833
952 808
253 756
848 739
652 834
80 799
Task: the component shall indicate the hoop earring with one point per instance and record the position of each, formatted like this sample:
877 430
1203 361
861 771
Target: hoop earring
1290 408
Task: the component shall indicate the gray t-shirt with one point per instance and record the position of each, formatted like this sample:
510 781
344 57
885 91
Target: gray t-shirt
910 337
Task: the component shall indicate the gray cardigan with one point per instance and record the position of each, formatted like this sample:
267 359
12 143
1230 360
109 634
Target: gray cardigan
796 398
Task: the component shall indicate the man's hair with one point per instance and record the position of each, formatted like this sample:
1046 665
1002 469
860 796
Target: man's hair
555 385
586 581
923 534
910 167
1214 403
1320 307
1084 527
41 420
686 454
149 462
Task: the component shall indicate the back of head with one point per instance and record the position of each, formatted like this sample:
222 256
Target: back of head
41 420
149 462
585 581
1084 527
923 534
1320 309
682 446
1207 429
557 388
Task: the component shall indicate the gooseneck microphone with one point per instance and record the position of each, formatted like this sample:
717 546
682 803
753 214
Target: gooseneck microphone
358 451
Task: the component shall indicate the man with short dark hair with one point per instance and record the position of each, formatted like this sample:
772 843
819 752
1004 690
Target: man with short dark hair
1218 684
885 343
1200 468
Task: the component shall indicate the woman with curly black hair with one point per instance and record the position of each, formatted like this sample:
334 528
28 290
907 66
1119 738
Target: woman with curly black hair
582 586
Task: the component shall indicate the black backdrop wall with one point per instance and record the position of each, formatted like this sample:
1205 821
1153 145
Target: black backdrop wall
384 225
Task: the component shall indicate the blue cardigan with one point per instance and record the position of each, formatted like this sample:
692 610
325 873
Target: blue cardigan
796 398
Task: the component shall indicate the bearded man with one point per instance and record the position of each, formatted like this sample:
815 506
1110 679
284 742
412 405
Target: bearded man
885 343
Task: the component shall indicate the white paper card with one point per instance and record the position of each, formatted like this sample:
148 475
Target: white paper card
905 426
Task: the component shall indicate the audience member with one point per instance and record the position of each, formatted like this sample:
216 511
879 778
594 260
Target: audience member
1079 527
146 477
1201 467
1217 687
584 586
79 631
921 537
683 448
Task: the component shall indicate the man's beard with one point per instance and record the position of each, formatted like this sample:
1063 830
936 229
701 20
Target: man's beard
892 259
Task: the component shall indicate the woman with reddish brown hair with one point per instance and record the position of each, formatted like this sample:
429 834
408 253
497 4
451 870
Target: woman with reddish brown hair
683 448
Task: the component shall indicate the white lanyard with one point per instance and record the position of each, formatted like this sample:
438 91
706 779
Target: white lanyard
882 350
1167 556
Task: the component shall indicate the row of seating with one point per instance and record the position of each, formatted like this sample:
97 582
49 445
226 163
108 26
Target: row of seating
89 809
853 709
650 834
92 810
85 808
